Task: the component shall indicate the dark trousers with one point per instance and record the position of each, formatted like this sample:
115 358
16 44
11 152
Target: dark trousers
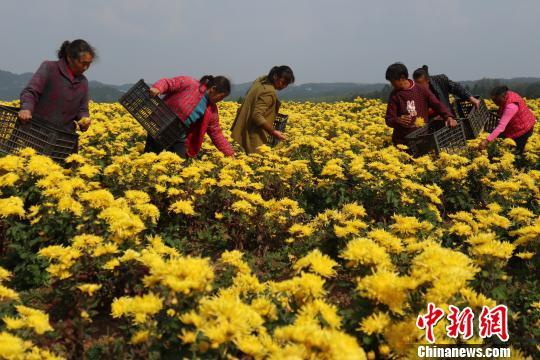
522 141
153 146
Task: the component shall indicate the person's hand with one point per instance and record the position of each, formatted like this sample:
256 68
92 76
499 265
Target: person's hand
476 102
451 122
279 135
25 115
154 91
405 120
85 123
483 145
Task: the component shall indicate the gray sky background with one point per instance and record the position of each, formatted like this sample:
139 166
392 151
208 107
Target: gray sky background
323 41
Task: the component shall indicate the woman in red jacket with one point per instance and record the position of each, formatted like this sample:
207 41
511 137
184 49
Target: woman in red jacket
194 101
516 119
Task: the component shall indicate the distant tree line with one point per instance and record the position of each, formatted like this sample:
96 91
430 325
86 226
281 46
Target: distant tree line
526 89
12 84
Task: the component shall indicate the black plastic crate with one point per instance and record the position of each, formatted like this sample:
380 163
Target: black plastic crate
449 139
476 120
279 124
420 141
161 123
463 107
37 134
492 122
436 137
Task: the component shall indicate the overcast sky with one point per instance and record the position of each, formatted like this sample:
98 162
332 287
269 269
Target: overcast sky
323 41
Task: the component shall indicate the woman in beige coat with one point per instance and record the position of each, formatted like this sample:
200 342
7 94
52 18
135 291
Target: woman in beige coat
255 119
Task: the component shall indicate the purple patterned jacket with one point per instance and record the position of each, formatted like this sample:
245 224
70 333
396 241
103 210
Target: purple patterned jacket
55 97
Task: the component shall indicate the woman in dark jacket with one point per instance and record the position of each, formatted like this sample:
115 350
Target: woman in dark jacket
441 86
58 91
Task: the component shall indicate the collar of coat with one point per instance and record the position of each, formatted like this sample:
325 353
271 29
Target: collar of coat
263 80
202 90
62 65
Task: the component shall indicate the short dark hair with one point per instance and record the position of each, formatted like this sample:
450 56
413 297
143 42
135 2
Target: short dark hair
282 72
499 91
396 71
74 49
421 72
221 83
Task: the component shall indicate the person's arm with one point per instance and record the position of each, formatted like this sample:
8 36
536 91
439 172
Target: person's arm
460 91
83 117
263 103
509 112
83 110
32 92
392 118
169 85
457 89
217 137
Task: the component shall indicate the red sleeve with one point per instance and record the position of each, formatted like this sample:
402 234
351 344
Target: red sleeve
32 92
171 85
391 112
217 137
436 105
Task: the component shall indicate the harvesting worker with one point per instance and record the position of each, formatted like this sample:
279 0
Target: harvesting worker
195 103
516 119
441 86
57 93
254 121
408 103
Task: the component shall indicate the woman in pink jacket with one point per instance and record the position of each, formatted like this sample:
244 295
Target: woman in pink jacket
194 101
516 119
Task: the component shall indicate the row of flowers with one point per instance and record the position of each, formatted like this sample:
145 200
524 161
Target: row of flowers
327 246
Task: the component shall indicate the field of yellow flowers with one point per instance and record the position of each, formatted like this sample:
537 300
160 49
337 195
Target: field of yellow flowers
326 247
